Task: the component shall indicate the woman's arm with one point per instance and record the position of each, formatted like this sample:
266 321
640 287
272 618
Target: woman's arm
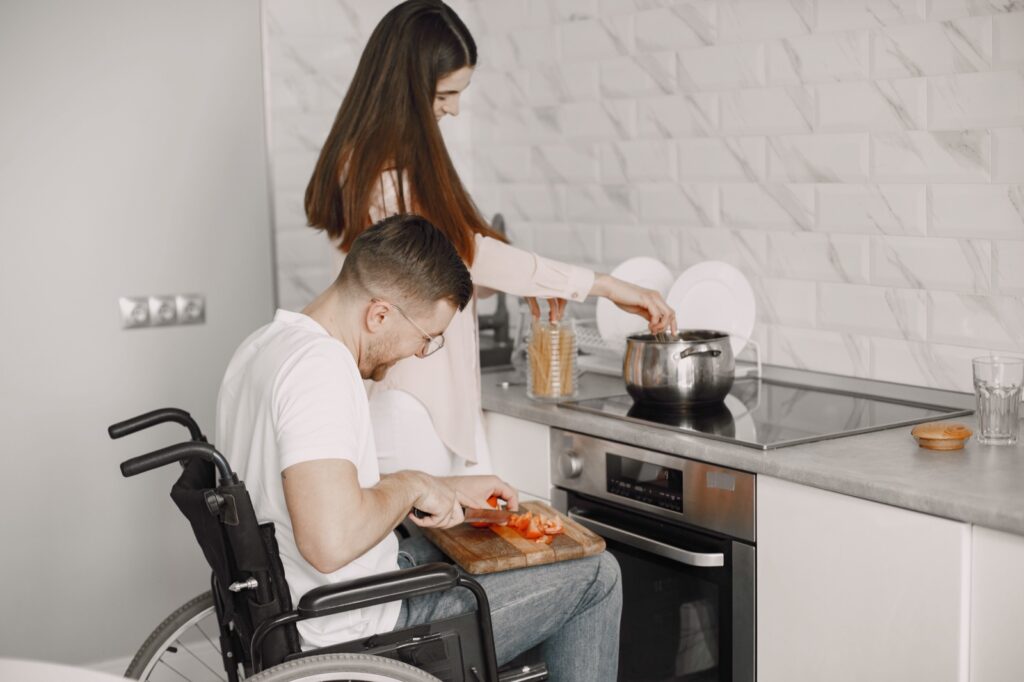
504 267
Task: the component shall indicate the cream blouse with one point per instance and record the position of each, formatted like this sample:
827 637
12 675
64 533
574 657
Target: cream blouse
448 382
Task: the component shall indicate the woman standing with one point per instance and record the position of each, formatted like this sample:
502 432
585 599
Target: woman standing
385 155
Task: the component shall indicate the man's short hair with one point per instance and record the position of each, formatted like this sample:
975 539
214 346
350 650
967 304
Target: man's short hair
406 257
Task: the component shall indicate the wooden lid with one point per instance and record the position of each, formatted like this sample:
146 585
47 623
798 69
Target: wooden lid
941 435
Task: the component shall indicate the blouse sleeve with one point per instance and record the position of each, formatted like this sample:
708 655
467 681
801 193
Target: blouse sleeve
384 201
500 266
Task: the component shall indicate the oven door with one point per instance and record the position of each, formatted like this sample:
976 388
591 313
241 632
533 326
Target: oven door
688 596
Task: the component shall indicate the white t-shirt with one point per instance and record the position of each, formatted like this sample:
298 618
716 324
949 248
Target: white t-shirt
292 393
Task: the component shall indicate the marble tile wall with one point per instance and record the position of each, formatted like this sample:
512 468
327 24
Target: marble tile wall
861 161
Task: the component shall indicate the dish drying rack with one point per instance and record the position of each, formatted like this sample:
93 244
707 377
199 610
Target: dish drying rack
601 357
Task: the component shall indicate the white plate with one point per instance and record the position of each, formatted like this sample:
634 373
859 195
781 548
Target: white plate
715 295
744 422
614 323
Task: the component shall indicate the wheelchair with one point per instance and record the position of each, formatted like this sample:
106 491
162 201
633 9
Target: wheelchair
244 627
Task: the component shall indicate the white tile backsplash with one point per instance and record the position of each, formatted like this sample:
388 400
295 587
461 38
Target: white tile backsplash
861 161
596 38
872 209
789 302
1008 30
748 20
788 109
727 159
873 311
768 205
818 158
677 115
684 24
959 319
637 160
976 100
721 67
639 75
954 9
746 249
978 211
1008 267
566 162
1008 155
960 46
819 257
931 263
920 156
878 105
678 204
820 57
837 15
557 83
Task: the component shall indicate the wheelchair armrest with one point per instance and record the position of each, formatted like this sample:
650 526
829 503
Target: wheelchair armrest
377 589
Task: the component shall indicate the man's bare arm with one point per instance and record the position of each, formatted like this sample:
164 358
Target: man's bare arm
334 520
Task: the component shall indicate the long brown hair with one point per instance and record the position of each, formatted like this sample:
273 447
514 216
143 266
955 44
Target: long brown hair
386 121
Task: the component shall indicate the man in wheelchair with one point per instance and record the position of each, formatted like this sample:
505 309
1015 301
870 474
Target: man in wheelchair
293 421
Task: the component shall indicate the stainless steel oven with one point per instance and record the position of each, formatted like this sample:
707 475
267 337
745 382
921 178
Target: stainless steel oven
683 534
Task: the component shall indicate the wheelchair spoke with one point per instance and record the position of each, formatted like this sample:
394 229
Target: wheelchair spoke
172 669
201 661
208 639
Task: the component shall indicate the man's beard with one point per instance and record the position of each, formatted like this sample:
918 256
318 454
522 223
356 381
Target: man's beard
377 360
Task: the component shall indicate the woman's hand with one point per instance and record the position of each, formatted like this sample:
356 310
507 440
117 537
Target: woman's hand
556 308
647 303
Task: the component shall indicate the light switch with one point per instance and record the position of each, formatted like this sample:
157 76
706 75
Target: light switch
191 308
134 311
163 310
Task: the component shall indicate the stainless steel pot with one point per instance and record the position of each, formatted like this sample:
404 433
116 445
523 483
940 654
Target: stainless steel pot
692 367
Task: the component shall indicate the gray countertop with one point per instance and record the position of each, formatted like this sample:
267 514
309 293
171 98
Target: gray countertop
980 484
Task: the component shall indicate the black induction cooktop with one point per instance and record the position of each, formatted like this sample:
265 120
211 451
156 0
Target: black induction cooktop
767 414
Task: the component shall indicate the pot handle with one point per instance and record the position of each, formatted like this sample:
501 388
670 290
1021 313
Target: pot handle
697 350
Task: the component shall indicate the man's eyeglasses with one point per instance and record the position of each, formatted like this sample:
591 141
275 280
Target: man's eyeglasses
432 344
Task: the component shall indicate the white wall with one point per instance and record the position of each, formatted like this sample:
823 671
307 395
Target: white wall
132 161
858 160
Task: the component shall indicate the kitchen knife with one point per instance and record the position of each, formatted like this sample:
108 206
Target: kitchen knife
499 516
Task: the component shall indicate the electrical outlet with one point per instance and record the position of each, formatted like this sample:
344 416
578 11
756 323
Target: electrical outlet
191 308
163 310
134 311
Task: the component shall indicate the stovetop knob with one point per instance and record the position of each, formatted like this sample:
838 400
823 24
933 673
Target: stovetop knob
571 464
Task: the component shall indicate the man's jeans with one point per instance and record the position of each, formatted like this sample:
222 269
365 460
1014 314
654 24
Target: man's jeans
570 609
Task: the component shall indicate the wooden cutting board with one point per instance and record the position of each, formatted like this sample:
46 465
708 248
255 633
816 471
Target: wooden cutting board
483 550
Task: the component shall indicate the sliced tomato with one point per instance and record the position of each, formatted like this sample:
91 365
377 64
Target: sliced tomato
545 539
493 501
552 526
533 530
523 521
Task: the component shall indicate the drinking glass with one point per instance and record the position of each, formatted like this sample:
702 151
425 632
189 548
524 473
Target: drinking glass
998 382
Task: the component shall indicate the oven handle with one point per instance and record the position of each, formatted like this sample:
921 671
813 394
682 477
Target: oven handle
683 556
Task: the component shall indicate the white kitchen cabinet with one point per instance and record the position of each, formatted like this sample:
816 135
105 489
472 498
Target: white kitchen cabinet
520 453
997 606
849 589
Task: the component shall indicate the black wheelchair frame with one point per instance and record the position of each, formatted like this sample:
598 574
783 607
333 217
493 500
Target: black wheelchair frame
253 605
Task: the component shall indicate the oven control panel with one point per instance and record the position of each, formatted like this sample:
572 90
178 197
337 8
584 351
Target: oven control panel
673 487
646 482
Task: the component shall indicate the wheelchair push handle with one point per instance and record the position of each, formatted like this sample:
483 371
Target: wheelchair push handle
175 453
161 416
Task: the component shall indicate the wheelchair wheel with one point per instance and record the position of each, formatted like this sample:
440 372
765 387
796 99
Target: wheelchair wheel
343 668
186 646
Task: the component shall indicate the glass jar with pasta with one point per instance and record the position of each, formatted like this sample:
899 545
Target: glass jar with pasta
552 372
